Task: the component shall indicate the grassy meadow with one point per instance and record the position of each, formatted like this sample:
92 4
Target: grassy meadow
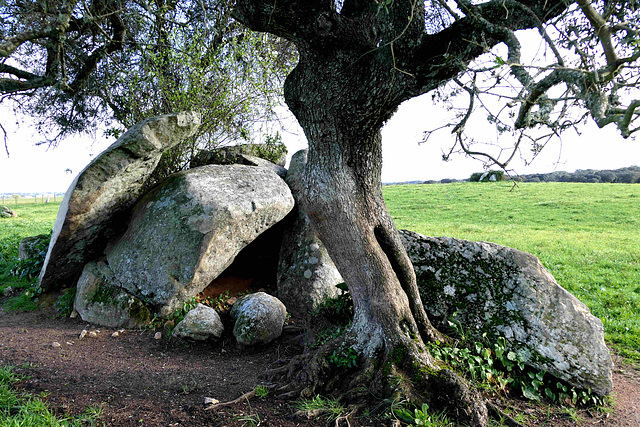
33 219
587 235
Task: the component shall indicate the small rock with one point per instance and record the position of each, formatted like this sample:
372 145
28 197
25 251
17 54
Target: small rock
201 323
55 344
210 401
232 300
259 318
83 334
115 334
157 336
5 212
7 291
73 314
69 343
93 334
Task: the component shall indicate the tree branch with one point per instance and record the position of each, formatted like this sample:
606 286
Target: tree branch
443 55
602 30
53 30
291 19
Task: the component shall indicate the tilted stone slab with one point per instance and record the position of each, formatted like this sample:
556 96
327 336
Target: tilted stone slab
306 273
189 229
508 293
105 190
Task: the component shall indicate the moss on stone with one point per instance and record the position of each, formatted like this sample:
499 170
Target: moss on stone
104 294
139 312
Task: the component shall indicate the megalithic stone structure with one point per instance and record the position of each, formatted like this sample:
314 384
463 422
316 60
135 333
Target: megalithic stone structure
105 191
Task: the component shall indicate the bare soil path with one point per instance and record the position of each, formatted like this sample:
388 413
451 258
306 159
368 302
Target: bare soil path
140 381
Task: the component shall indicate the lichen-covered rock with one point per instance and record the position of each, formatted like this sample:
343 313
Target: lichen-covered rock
101 302
201 323
189 229
504 292
33 246
237 154
259 318
5 212
306 274
93 206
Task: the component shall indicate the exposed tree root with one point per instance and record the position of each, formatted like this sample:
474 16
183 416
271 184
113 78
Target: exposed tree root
387 377
499 415
245 396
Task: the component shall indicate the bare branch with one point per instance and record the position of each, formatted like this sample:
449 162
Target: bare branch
6 145
602 30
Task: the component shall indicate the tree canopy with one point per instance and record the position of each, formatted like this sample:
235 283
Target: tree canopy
74 66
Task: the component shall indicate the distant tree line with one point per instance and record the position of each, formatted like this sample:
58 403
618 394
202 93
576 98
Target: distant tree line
628 175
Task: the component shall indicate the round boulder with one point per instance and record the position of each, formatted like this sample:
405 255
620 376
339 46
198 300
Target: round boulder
259 318
200 323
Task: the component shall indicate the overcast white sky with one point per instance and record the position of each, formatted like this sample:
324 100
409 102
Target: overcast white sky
31 168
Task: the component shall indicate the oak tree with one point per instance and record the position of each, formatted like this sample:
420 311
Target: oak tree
358 60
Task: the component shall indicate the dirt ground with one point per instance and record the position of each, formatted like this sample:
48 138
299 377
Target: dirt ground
140 381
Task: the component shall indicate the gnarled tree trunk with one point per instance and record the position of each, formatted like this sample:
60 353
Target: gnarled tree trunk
342 118
359 59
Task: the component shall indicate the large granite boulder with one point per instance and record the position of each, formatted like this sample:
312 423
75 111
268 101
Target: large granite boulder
200 324
189 229
92 209
306 274
259 318
100 301
504 292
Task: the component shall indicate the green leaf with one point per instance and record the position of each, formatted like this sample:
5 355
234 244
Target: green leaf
530 393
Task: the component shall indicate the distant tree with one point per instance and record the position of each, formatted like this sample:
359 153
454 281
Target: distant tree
606 176
16 197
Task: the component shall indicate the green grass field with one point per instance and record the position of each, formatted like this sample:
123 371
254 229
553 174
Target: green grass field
33 219
587 235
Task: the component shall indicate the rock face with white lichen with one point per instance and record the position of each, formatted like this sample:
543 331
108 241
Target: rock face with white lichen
502 292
